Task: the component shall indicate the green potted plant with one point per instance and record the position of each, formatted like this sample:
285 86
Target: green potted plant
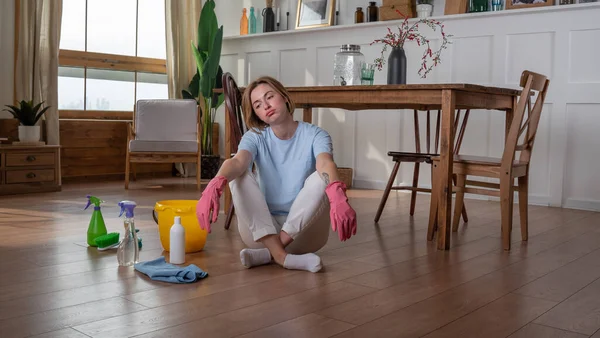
28 115
207 54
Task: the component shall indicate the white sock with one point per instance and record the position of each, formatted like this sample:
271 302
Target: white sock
254 257
309 262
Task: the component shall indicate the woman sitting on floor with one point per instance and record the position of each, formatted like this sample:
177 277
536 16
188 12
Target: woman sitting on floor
282 211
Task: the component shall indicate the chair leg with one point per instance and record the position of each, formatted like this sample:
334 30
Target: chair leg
431 228
199 174
464 213
133 166
464 208
229 216
127 165
523 205
198 180
386 193
459 202
506 208
413 195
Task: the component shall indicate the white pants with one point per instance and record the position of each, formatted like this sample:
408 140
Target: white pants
307 223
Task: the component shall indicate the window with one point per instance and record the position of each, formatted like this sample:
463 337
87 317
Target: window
112 53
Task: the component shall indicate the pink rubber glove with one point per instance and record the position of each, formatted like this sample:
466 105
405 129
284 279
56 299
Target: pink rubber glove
343 217
209 202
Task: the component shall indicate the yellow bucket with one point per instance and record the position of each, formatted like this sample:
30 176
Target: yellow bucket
164 215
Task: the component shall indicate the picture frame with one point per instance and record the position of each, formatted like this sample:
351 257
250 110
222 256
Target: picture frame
315 13
516 4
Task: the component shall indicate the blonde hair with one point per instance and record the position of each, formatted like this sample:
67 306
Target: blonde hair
252 120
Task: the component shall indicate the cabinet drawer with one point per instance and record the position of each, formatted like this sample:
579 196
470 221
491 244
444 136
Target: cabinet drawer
25 176
27 159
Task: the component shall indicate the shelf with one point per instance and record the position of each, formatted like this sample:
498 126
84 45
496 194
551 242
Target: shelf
510 12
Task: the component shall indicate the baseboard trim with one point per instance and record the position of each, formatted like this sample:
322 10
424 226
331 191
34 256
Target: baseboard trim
573 203
541 200
368 184
113 177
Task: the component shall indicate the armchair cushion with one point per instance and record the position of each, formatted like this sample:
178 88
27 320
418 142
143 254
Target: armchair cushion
163 146
166 120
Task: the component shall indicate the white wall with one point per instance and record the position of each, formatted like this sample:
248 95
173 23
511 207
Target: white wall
562 42
7 32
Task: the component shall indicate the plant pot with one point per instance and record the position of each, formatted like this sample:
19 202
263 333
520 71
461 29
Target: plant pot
210 166
29 134
396 66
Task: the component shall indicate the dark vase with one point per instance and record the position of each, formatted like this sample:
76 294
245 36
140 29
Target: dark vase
210 166
397 66
268 19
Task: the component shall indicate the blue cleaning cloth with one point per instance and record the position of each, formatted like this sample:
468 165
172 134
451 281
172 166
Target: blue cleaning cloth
160 270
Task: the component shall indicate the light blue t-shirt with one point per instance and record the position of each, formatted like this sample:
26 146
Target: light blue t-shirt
283 165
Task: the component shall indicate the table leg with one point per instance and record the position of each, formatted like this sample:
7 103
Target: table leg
307 115
444 187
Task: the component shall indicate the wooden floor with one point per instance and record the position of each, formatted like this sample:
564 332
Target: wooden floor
387 281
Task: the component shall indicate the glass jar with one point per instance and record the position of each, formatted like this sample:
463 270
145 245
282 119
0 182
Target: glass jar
359 16
347 66
372 12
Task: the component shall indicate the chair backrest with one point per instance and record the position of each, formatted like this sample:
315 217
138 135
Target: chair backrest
166 120
521 134
434 135
233 103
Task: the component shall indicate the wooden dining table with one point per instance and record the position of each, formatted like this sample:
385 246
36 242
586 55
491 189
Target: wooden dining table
444 97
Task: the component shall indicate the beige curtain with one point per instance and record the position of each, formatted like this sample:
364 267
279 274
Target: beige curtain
37 58
181 28
181 20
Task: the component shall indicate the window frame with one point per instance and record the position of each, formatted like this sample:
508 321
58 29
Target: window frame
103 61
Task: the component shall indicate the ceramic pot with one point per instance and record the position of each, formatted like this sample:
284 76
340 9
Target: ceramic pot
29 134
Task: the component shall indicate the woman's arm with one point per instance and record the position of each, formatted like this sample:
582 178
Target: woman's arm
343 217
327 168
234 167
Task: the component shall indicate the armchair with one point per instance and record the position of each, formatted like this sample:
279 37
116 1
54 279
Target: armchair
164 131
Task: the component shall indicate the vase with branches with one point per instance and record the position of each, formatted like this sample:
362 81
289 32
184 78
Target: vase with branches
410 32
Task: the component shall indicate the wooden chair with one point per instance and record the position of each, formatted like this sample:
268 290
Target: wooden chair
164 131
233 104
419 157
506 169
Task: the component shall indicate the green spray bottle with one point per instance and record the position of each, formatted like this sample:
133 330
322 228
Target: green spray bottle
97 227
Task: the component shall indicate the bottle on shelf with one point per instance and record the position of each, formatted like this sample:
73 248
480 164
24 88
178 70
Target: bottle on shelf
478 6
372 12
359 16
259 23
252 21
268 17
244 23
496 5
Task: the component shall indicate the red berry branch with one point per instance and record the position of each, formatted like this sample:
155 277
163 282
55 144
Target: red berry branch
408 32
